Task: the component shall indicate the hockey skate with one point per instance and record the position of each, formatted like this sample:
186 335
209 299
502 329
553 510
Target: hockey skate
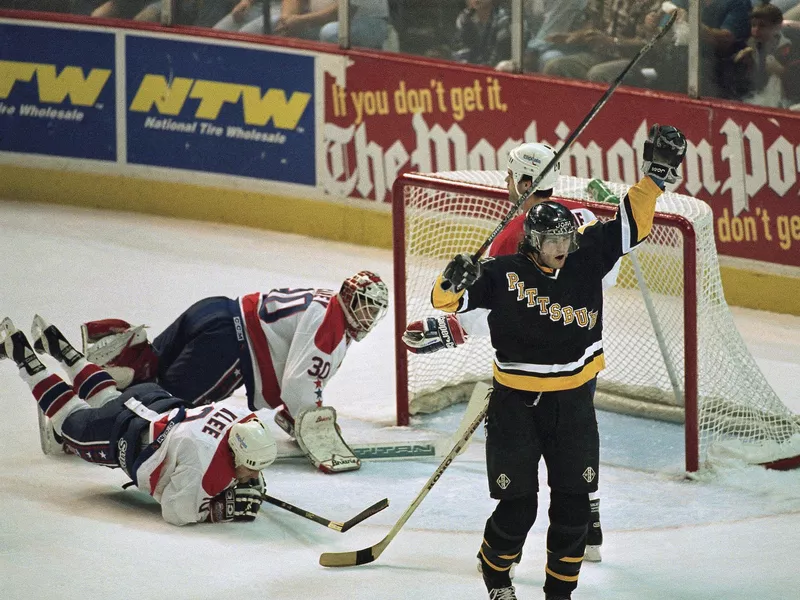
17 347
47 339
504 593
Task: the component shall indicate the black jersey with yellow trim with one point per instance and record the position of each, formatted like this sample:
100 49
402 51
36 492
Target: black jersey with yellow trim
546 326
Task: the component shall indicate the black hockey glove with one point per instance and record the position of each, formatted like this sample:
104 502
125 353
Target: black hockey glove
663 153
238 503
462 272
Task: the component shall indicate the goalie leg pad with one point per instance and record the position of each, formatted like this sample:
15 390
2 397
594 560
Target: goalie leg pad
320 440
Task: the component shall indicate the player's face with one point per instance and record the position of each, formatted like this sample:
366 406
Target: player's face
243 474
367 316
554 250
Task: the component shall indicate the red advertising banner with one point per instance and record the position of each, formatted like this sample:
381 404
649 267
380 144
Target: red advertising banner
385 116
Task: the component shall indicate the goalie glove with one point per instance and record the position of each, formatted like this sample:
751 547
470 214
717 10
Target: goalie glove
433 334
238 503
663 153
121 349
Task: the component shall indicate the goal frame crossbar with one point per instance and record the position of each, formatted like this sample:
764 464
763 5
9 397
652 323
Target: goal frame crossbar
681 223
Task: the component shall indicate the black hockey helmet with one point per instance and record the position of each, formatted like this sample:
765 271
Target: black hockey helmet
550 220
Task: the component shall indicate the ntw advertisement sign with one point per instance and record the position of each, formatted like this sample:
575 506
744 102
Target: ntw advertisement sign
57 94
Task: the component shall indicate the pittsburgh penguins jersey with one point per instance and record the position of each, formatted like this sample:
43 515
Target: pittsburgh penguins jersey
507 242
546 324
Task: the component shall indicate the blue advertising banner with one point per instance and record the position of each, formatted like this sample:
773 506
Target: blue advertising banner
206 107
57 93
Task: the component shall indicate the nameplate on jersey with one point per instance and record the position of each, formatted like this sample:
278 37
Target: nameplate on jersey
583 317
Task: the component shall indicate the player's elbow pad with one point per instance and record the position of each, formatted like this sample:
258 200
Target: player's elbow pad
433 334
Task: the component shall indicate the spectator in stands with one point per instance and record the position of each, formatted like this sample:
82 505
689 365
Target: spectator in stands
789 8
120 9
560 17
483 33
318 20
760 65
199 13
616 30
724 29
247 11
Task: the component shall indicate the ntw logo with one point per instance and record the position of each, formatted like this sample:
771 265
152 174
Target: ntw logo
168 98
54 87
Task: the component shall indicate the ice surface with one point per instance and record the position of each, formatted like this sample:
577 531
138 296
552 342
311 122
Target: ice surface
68 530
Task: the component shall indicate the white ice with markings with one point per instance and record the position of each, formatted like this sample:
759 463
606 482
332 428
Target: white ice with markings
69 531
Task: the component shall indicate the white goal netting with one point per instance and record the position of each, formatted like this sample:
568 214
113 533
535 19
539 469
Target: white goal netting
734 411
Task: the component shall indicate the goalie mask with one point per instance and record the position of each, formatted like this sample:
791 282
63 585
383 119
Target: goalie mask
364 299
530 159
551 227
253 445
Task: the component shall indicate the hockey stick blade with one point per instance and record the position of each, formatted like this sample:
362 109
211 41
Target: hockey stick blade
365 514
368 555
335 525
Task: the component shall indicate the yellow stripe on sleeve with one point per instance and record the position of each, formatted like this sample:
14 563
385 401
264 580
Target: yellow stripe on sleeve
642 198
446 300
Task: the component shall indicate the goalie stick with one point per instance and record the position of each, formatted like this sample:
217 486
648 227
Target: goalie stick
335 525
573 136
368 555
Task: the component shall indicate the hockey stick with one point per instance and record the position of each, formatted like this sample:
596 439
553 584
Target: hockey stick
367 555
573 136
335 525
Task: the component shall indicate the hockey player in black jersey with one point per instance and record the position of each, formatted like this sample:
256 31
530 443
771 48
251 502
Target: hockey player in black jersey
546 325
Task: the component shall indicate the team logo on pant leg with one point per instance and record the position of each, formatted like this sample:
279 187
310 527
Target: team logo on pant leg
589 474
503 481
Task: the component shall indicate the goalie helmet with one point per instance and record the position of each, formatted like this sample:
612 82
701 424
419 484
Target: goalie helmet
550 220
364 299
252 444
530 159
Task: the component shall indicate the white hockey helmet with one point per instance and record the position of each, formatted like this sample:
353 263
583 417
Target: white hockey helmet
530 159
253 445
364 299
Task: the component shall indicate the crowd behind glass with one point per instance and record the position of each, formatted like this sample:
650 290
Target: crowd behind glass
748 51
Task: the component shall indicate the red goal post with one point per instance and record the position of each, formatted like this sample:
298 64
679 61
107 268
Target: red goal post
665 353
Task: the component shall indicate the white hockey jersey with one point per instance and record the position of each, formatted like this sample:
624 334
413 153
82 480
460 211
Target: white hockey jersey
193 462
297 342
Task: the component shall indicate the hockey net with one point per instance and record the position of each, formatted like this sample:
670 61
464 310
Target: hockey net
672 349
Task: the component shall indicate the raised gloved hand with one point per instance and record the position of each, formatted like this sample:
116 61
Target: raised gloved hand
434 333
663 153
462 272
237 503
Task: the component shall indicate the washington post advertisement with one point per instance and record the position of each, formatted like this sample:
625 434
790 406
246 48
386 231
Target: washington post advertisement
57 92
743 162
217 109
